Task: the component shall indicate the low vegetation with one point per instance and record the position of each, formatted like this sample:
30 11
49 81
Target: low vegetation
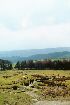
23 87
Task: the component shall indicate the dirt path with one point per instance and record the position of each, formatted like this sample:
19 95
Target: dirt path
32 93
52 103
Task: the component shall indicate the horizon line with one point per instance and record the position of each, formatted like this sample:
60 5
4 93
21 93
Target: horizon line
32 49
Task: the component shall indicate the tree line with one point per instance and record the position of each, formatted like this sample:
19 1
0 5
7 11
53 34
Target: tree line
43 65
36 65
5 65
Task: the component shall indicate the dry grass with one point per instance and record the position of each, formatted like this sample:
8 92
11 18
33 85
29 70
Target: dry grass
19 78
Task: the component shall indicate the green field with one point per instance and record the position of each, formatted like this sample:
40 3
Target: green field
24 87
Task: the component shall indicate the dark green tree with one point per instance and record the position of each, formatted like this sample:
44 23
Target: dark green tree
18 66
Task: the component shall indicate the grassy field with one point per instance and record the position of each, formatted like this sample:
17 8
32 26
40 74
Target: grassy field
24 87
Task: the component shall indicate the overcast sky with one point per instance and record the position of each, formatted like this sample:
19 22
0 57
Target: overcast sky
33 24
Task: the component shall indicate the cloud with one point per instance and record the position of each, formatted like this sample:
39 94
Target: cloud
12 12
28 24
37 37
51 20
26 21
24 5
67 4
16 14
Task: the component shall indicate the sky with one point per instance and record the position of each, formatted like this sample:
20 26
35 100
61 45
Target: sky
34 24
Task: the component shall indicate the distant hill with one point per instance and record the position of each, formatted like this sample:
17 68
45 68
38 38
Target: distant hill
27 53
56 55
36 54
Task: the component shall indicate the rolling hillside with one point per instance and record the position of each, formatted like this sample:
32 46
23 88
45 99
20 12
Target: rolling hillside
36 54
27 53
56 55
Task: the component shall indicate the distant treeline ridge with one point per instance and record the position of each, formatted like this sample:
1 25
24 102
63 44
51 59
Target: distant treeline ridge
36 65
43 65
